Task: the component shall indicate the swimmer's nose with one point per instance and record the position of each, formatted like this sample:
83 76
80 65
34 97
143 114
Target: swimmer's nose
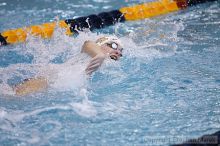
118 53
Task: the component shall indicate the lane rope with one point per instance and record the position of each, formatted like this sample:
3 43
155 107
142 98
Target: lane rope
98 21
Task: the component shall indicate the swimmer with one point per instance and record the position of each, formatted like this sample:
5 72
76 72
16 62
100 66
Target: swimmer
105 47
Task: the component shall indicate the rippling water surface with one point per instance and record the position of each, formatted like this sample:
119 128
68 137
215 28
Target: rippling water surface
167 84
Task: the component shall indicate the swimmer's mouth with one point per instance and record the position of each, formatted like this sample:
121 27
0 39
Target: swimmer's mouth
114 57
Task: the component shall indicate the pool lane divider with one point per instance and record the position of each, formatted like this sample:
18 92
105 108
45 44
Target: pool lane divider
98 21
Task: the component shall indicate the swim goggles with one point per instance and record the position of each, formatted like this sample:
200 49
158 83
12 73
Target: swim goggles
114 46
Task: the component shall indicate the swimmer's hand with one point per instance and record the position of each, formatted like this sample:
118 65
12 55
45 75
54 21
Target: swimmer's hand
30 86
95 63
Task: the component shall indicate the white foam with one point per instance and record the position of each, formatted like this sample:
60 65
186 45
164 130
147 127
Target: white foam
84 108
69 78
2 113
6 90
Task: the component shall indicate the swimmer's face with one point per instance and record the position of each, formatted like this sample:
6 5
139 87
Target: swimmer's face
112 49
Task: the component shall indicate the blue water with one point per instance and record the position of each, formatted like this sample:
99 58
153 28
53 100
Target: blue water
164 90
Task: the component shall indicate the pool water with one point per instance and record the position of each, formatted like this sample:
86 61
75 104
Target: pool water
164 90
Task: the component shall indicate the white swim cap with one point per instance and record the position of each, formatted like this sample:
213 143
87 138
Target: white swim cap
109 39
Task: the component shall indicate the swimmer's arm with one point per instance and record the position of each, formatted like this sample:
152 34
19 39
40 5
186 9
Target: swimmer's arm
95 51
30 86
92 49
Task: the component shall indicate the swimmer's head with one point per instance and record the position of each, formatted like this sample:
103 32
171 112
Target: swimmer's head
112 46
